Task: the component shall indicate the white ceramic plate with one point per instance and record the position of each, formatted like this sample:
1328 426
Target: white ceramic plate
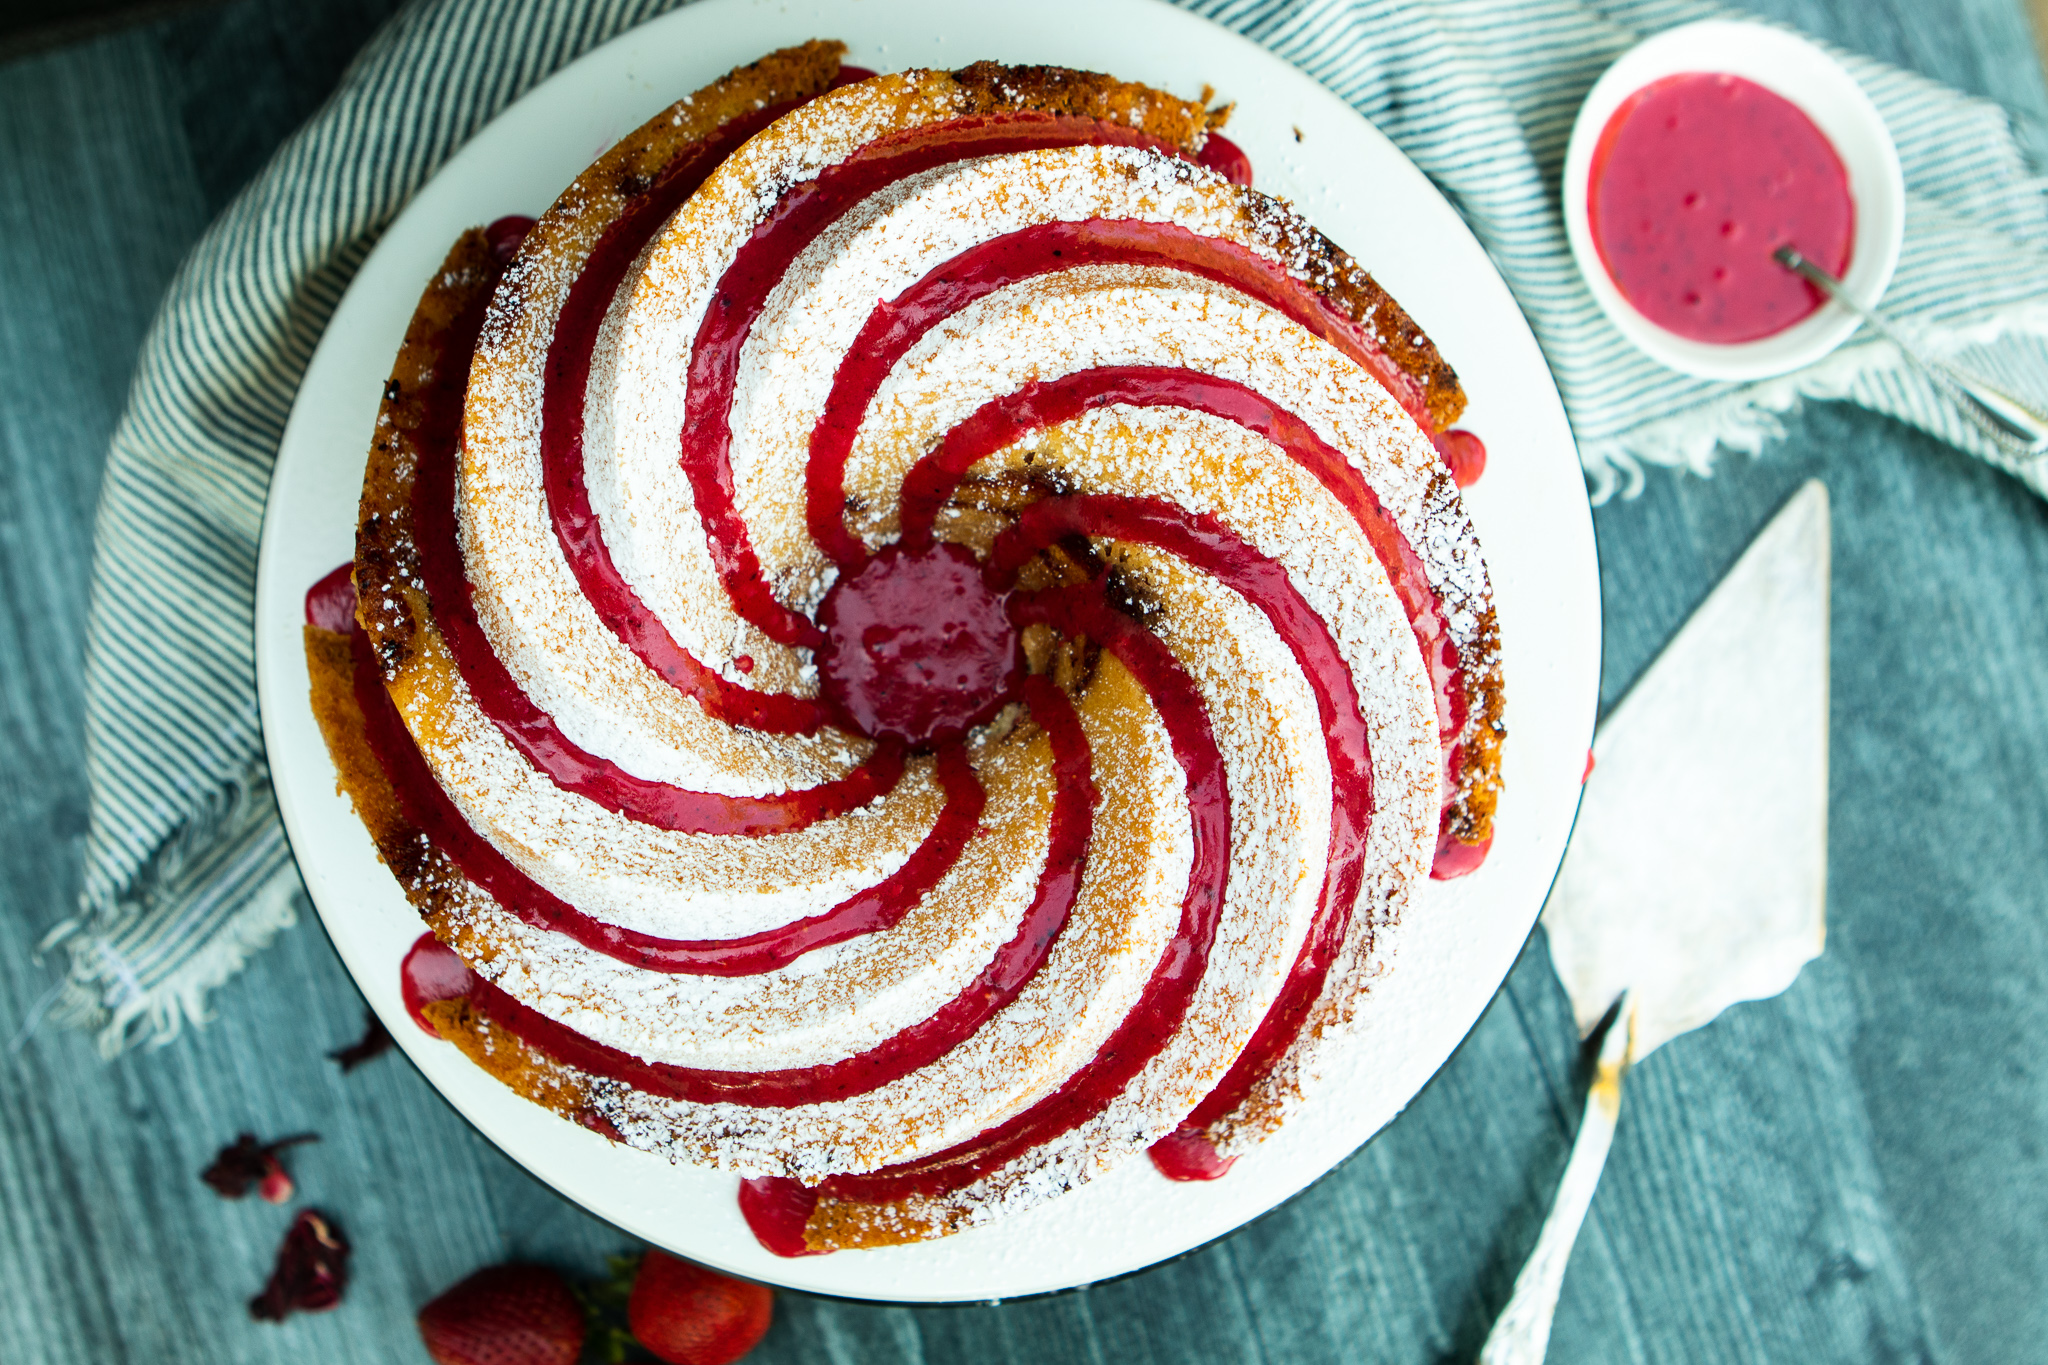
1461 937
1789 66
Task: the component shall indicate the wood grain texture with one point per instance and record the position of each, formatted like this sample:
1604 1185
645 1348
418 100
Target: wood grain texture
1852 1172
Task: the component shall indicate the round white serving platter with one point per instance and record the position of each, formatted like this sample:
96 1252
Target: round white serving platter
1798 71
1457 943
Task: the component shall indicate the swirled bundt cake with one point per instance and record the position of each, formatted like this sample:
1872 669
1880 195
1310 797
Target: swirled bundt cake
908 632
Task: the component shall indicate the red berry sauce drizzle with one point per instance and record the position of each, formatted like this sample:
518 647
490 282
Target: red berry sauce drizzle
1464 454
917 647
428 807
1187 1154
431 972
777 1210
1227 159
894 669
331 603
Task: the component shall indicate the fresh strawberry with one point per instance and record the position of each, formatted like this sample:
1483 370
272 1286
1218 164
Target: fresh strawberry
505 1315
688 1315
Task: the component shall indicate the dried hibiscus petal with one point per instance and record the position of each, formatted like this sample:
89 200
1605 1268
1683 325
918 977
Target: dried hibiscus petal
247 1162
311 1270
375 1040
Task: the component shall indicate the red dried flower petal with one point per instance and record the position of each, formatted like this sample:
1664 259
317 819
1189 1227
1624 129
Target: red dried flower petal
311 1270
376 1040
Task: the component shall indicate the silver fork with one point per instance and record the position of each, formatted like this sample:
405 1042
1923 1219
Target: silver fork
2011 425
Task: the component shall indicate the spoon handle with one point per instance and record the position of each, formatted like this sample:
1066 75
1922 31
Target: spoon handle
1521 1335
2011 424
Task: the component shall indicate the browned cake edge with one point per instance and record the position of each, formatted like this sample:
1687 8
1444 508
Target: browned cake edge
431 883
391 607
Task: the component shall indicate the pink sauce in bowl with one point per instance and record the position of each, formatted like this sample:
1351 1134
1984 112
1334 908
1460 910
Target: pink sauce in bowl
1780 144
1696 179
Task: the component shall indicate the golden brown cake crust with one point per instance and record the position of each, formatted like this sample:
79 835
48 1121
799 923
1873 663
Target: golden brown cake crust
1469 817
391 607
1348 285
532 1074
430 879
602 194
992 88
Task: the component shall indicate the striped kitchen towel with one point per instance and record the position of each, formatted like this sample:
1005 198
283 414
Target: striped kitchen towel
187 871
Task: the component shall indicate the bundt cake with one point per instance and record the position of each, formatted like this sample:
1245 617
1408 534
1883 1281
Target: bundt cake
904 637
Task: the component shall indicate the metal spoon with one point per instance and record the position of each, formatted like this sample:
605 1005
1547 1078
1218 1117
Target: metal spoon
2012 425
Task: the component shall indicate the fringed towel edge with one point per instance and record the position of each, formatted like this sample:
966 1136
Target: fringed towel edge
134 979
1747 419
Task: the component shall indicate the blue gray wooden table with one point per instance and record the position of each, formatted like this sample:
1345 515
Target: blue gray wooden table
1856 1171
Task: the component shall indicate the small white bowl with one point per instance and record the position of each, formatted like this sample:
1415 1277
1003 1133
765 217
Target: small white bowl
1800 72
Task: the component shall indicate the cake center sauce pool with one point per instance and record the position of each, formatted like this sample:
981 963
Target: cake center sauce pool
1696 179
917 648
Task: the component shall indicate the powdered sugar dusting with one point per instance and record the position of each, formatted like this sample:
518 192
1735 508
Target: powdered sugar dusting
1279 789
691 886
1127 909
829 1004
888 243
640 373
